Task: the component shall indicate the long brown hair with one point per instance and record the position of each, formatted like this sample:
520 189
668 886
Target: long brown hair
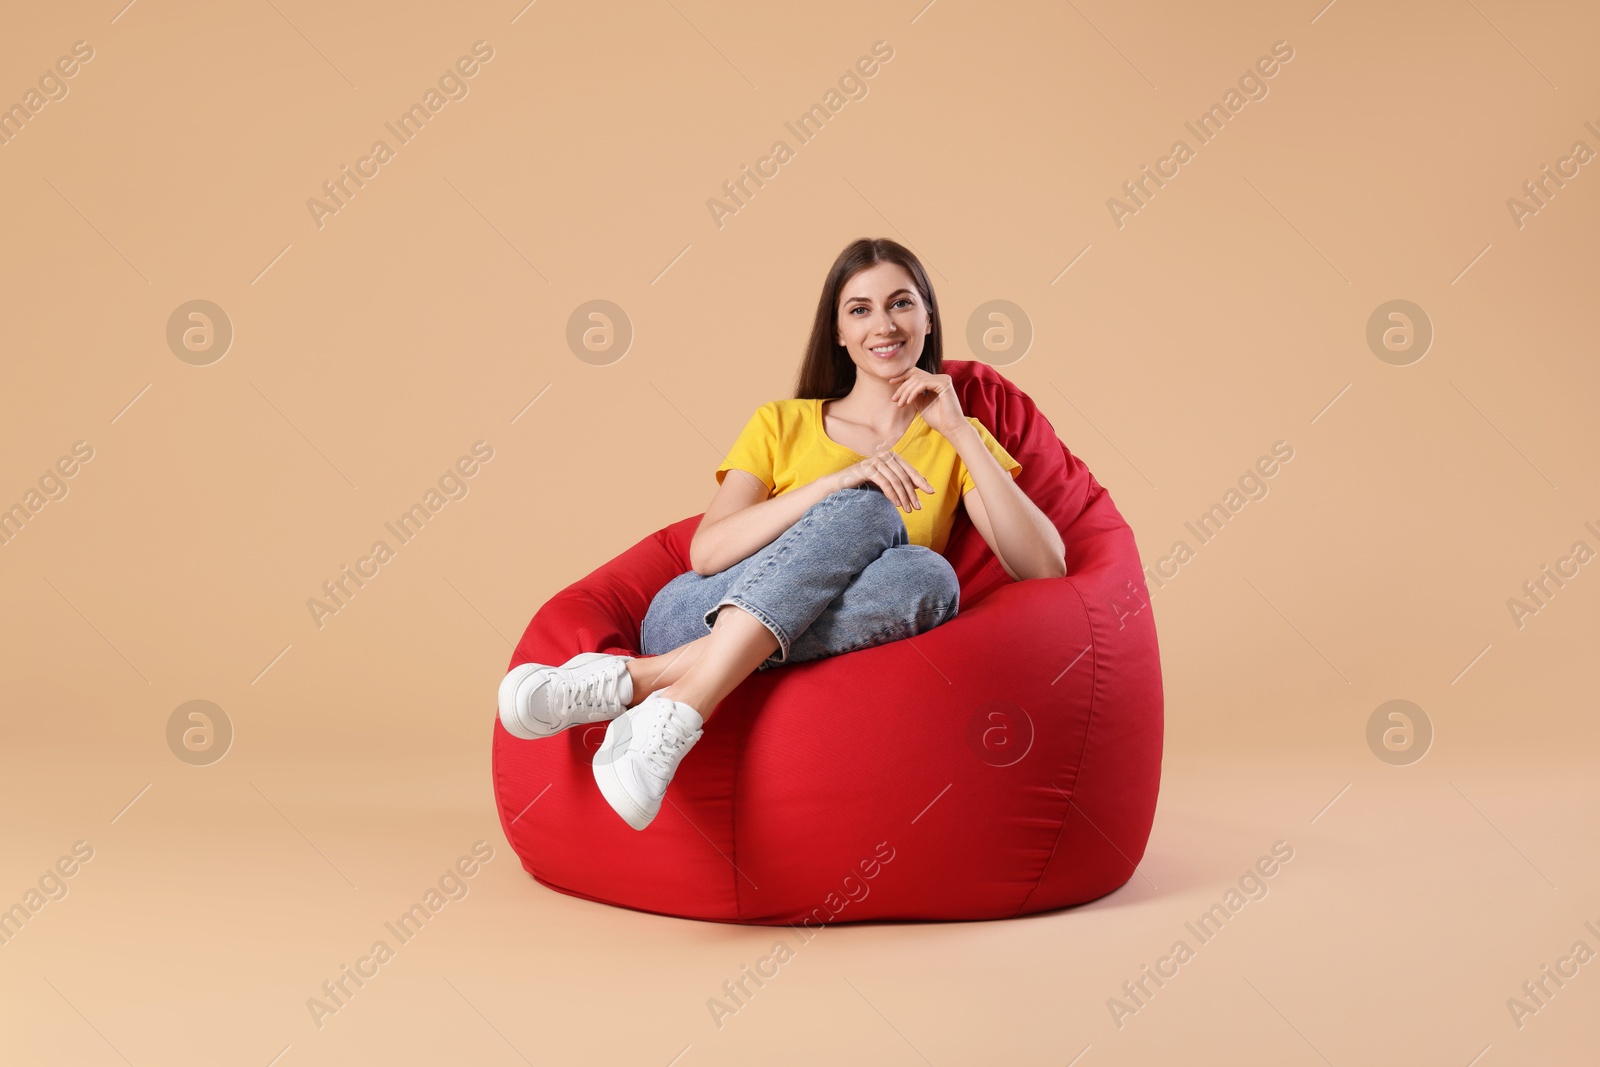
827 371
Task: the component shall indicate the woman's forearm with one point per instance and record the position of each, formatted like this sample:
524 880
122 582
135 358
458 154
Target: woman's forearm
1027 542
719 546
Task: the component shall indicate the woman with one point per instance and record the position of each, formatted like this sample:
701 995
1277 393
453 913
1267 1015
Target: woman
826 535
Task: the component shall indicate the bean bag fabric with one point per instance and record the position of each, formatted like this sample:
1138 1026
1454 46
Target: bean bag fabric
1004 763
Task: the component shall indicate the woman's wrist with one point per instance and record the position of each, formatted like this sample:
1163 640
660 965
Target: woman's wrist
963 433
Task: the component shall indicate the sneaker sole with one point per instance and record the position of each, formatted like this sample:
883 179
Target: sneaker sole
611 787
510 706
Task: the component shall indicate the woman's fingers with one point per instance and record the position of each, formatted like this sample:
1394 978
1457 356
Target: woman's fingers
869 474
915 475
894 483
898 479
906 479
907 488
884 480
911 382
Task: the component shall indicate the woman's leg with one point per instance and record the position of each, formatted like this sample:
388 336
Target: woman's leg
680 609
650 673
762 604
674 634
736 646
774 595
908 590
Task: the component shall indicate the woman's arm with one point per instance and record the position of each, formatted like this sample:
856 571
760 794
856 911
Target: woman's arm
741 519
1022 537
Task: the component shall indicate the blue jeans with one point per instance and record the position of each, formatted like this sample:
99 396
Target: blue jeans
843 577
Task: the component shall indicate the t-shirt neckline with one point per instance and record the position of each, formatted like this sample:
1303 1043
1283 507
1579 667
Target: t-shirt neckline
822 428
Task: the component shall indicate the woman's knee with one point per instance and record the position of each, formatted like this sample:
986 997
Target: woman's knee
870 508
930 575
668 621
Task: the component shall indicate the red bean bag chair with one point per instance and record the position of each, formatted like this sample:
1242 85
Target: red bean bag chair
1004 763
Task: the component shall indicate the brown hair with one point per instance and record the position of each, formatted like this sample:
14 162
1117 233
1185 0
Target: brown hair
827 371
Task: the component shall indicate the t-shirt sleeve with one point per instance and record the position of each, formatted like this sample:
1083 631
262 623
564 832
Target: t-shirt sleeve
995 449
756 448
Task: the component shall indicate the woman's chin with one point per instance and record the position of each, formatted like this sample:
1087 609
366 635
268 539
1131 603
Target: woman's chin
887 368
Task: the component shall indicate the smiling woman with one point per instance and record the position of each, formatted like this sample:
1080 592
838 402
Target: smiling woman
826 535
1020 740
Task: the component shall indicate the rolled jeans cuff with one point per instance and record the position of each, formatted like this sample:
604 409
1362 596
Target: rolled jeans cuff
782 652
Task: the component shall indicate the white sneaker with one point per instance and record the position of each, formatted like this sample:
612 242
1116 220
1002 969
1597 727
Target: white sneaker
537 700
640 754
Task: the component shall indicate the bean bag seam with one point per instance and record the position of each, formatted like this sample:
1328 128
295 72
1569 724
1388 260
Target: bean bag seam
1083 746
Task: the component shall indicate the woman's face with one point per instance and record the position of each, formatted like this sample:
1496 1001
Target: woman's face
880 308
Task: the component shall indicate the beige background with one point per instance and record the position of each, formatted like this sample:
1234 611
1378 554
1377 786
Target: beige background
430 311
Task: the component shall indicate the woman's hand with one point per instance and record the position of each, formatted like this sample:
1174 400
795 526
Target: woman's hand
889 471
934 395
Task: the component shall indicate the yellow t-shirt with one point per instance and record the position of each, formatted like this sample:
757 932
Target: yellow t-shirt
784 444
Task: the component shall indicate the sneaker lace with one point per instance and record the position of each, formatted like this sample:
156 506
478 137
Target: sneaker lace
665 743
596 691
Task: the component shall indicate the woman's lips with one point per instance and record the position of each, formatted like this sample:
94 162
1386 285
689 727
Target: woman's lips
891 353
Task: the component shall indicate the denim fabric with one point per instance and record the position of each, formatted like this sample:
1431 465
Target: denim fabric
843 577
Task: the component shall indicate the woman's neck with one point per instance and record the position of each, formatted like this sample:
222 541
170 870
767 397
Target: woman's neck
870 402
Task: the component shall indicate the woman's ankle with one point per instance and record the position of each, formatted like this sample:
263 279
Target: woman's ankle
638 673
683 696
